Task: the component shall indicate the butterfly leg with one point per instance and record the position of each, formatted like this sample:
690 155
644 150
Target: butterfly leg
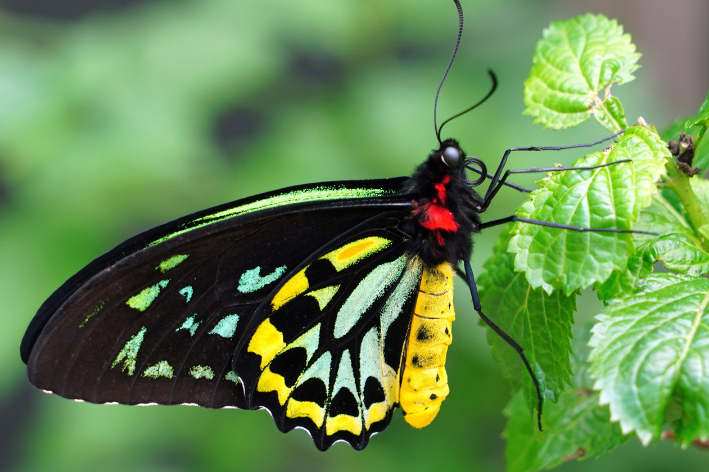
550 224
503 180
495 184
470 278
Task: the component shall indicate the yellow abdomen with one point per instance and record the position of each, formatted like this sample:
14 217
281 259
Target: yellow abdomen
424 383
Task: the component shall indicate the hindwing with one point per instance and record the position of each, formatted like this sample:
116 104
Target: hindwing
323 351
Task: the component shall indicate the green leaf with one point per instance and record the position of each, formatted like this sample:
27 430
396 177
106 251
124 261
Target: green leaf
608 197
701 155
651 352
678 252
622 283
700 189
539 322
702 118
704 231
681 253
661 217
573 62
612 115
576 427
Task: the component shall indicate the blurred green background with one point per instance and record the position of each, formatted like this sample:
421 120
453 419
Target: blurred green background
117 115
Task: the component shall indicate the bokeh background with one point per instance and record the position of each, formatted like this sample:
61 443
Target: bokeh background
117 115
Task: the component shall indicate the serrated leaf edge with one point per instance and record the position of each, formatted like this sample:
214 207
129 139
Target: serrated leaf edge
605 397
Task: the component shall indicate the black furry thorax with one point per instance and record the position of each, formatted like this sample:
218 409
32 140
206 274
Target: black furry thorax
444 216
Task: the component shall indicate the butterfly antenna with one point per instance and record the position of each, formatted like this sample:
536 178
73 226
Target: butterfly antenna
489 94
450 63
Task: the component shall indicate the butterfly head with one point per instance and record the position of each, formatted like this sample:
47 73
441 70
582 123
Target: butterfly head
454 160
451 155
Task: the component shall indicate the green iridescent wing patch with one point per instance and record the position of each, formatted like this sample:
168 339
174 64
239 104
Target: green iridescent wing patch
322 193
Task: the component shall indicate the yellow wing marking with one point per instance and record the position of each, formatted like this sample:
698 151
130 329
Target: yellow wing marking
324 295
268 381
343 423
424 381
267 341
355 251
270 343
310 410
291 289
376 412
320 370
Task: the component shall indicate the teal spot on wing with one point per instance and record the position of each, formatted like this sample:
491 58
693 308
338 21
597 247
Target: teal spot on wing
226 326
190 325
404 290
172 262
308 341
88 317
142 301
231 375
288 198
371 359
161 369
187 293
320 369
251 280
345 376
129 352
369 290
201 372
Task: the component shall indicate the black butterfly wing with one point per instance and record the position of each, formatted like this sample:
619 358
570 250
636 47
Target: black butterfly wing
323 351
157 319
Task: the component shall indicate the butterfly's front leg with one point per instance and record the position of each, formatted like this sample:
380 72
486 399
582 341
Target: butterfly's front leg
500 179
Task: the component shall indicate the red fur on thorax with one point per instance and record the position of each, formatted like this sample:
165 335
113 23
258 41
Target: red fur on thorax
438 217
441 188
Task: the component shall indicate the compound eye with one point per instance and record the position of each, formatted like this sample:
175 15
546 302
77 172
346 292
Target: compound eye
452 157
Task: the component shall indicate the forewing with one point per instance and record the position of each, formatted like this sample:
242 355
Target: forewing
157 319
323 351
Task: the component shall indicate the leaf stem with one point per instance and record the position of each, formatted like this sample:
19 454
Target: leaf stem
678 182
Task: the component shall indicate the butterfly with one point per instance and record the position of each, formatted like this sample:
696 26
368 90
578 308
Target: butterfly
328 304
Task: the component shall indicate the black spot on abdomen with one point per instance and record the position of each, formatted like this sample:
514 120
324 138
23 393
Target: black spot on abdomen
424 334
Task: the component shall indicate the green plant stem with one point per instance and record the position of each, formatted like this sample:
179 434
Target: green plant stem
678 182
